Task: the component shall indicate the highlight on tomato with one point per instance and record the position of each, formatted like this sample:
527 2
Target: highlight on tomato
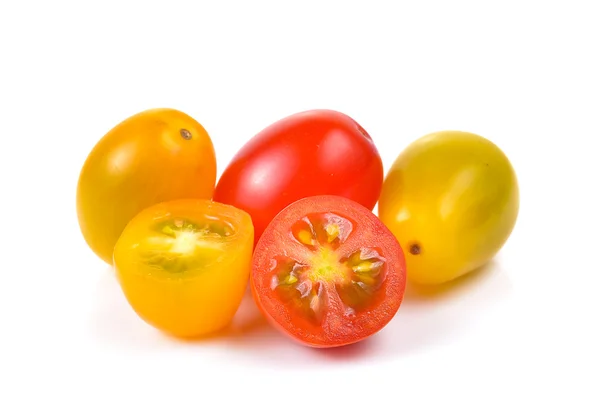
184 265
317 152
327 272
153 156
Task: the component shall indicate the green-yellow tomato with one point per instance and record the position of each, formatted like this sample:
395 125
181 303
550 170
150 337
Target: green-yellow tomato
451 199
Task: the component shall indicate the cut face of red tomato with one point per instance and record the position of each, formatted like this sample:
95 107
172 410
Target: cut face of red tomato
328 272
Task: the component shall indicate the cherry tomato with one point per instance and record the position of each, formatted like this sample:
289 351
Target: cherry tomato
156 155
319 152
328 272
184 265
452 199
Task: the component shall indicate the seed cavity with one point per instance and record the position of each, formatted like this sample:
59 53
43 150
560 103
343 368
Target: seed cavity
337 229
322 229
368 271
290 279
180 244
287 271
366 267
306 238
296 290
333 231
168 230
304 232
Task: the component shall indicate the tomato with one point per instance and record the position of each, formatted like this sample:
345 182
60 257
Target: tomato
156 155
184 265
452 199
319 152
328 272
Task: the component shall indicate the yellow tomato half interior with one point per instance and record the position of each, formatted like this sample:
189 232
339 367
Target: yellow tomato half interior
451 199
184 265
154 156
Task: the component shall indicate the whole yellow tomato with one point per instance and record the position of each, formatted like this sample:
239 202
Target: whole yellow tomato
184 265
154 156
451 199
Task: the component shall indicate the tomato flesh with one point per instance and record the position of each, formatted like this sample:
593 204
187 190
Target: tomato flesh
184 265
328 272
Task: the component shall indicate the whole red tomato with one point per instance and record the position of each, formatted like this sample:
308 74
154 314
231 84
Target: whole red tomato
318 152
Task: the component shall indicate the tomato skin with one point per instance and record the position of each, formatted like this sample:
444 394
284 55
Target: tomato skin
187 302
318 152
143 160
339 328
451 198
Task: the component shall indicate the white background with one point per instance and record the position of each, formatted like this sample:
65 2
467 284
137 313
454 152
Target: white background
520 339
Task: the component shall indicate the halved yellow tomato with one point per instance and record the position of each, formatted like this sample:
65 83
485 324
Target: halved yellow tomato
184 265
451 199
156 155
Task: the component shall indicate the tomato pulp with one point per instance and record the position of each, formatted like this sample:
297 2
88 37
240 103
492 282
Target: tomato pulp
328 272
319 152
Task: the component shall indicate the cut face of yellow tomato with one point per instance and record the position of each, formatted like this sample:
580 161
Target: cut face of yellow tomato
451 199
184 265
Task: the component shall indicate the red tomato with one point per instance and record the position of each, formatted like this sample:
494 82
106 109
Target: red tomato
328 272
310 153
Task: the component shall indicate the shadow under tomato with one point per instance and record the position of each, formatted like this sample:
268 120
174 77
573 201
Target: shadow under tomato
427 317
251 337
114 321
437 315
351 352
247 321
415 292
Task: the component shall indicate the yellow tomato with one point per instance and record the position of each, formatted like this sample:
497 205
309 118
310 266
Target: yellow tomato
451 199
156 155
184 265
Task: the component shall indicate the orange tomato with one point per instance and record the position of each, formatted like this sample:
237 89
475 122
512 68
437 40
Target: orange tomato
154 156
184 265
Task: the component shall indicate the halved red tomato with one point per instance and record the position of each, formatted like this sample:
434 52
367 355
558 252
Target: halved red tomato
328 272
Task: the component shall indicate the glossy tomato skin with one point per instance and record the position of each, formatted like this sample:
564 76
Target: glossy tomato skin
153 156
328 270
452 200
318 152
186 282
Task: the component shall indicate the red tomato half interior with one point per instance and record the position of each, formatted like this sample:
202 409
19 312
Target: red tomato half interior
328 272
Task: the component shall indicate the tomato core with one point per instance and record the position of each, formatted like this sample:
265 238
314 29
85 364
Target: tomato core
304 282
181 244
